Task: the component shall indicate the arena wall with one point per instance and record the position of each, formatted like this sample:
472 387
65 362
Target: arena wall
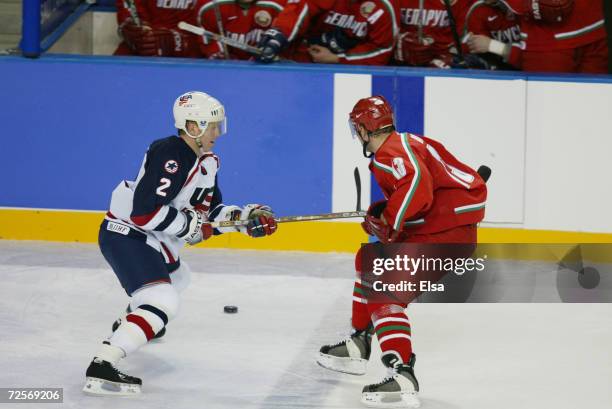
74 127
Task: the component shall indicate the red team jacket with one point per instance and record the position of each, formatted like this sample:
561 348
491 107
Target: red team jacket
437 35
584 25
372 24
245 25
159 13
427 189
492 22
495 23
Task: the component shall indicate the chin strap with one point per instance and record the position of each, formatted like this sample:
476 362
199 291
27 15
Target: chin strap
196 138
365 152
198 142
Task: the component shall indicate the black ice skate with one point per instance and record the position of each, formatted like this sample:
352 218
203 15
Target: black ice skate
399 390
128 310
102 378
349 356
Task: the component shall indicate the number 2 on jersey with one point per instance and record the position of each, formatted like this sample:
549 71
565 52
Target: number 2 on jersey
165 184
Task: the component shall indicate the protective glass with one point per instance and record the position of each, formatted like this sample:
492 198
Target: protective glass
353 129
221 125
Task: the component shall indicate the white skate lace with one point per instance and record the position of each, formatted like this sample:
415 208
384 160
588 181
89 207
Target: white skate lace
120 374
341 342
391 372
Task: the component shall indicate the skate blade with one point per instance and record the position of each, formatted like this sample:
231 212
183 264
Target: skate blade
390 400
99 387
351 366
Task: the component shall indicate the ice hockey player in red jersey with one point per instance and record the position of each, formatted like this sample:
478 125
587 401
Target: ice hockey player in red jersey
173 201
490 29
149 28
561 36
430 197
425 37
242 20
334 31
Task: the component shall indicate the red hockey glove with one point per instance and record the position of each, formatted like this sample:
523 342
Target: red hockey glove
377 227
147 41
261 220
138 38
260 226
172 43
164 42
410 51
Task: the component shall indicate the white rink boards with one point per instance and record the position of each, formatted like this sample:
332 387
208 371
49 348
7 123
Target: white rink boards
57 302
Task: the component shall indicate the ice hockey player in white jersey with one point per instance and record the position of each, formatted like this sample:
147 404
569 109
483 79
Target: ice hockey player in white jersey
171 202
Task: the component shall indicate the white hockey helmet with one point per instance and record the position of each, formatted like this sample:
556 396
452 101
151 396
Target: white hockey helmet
201 108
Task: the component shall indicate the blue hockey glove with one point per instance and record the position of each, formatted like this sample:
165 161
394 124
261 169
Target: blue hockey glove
272 43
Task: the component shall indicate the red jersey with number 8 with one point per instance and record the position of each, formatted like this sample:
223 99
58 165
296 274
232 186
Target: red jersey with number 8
427 189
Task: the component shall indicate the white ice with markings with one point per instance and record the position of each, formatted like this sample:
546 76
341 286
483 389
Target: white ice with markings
58 301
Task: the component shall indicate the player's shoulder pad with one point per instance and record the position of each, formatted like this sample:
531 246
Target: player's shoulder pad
211 161
172 156
397 157
373 10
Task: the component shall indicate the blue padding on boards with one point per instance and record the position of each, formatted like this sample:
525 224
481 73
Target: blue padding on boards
72 131
407 95
410 104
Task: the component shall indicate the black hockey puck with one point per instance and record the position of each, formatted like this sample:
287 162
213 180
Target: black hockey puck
230 309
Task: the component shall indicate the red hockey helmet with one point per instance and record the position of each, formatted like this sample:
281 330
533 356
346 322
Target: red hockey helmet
373 113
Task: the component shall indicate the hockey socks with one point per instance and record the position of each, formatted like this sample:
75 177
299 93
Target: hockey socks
392 329
138 327
361 317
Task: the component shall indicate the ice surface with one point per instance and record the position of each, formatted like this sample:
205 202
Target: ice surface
58 301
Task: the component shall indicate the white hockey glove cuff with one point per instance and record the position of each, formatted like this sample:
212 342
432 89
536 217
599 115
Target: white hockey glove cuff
195 229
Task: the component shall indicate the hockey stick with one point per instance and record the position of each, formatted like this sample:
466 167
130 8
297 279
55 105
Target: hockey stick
420 25
288 219
358 187
220 27
131 6
453 26
222 39
483 171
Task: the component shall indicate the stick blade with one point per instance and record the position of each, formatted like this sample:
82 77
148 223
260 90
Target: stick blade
190 28
484 172
358 187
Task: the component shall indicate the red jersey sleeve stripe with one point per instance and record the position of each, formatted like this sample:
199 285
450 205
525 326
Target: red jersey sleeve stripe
397 225
144 219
